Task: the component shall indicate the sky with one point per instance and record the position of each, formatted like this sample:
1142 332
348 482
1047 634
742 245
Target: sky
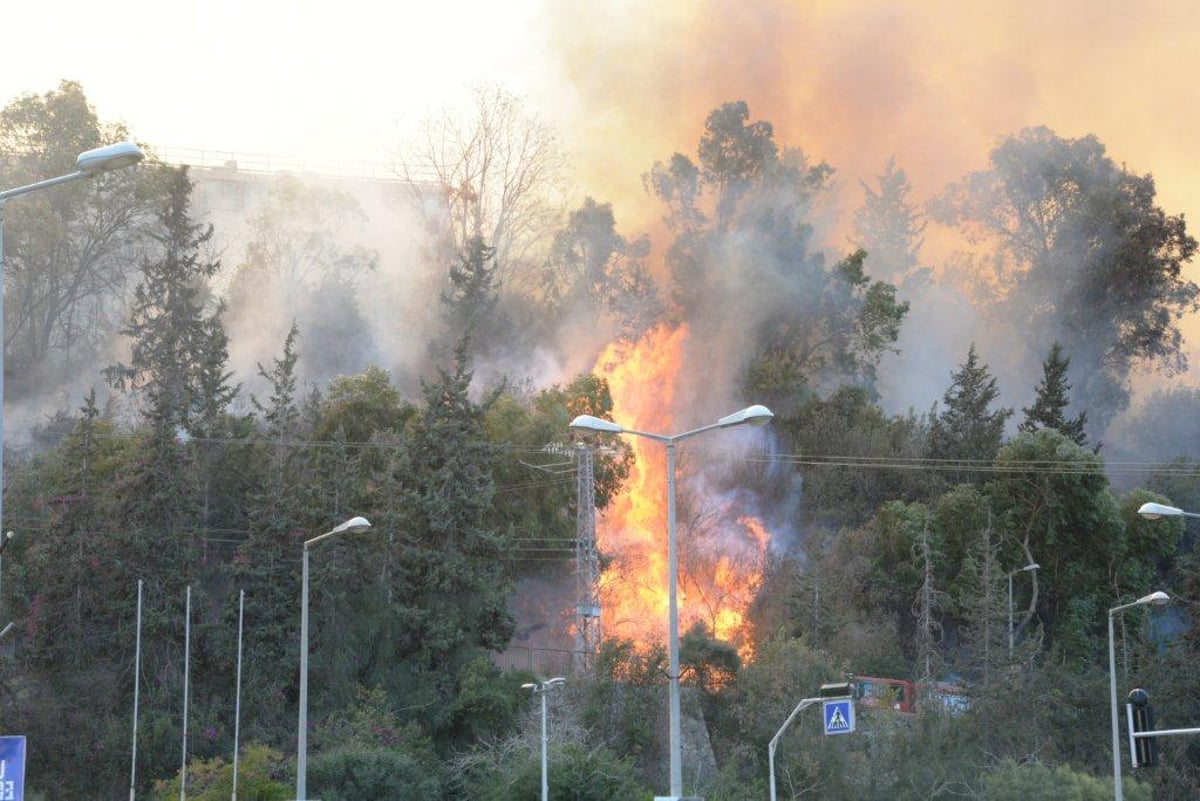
933 83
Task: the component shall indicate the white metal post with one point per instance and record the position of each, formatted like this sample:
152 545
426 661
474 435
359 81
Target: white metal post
545 748
302 730
1112 686
353 525
187 650
673 634
806 702
237 703
137 681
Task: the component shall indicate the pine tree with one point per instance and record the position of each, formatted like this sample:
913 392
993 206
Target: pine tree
1049 407
452 554
470 306
178 348
889 227
968 429
267 563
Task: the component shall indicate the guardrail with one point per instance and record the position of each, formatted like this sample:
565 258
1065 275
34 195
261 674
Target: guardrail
259 163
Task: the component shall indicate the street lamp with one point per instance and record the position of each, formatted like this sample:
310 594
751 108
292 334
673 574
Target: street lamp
1157 599
541 689
753 415
1029 568
352 526
1153 511
88 163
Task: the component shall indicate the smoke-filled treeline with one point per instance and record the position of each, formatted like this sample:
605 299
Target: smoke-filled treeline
897 537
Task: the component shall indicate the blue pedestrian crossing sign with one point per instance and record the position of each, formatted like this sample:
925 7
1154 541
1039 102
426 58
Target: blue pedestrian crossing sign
839 716
12 768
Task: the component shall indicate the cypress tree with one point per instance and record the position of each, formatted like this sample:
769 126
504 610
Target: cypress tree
968 429
1048 410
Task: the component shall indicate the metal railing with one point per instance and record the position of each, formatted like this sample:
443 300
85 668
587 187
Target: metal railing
261 164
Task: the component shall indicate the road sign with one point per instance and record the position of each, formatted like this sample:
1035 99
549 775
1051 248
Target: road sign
839 716
12 768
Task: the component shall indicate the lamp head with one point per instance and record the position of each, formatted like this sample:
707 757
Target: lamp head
1158 598
354 525
752 415
109 157
1153 511
1032 566
585 422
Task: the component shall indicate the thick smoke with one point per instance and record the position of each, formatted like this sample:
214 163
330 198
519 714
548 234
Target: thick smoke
934 85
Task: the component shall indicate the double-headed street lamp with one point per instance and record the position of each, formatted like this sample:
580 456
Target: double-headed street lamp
89 163
1157 599
1029 568
541 689
753 415
351 526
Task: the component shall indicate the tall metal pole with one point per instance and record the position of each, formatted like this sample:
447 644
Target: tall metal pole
753 415
545 746
137 682
1112 686
673 633
187 652
302 732
237 704
351 526
2 366
1010 617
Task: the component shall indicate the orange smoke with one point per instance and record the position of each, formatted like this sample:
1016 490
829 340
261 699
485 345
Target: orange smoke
720 557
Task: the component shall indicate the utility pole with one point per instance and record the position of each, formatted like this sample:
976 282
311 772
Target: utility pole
587 564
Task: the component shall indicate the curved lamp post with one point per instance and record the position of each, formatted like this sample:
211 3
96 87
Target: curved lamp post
88 163
752 415
1027 569
1157 599
352 526
541 689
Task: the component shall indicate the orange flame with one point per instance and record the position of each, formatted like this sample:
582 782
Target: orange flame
720 559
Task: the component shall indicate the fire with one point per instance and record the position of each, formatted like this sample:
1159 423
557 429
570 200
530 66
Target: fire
721 555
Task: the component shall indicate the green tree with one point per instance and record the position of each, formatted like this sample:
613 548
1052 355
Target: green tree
69 252
841 433
889 227
1050 405
1086 258
1054 506
575 772
968 429
436 587
594 271
470 304
1011 781
262 776
178 352
742 250
363 751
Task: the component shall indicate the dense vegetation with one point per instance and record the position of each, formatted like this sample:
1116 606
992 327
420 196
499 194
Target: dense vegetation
905 533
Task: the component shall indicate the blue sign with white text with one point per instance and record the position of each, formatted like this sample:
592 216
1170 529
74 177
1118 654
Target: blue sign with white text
839 716
12 768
